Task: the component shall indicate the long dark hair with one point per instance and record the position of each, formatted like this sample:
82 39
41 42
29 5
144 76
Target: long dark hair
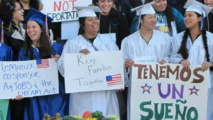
45 47
169 15
183 50
82 24
6 13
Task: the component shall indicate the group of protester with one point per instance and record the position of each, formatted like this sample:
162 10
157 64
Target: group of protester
158 33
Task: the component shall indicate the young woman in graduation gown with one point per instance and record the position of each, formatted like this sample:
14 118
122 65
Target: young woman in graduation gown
11 13
6 54
145 45
169 19
39 46
194 46
90 41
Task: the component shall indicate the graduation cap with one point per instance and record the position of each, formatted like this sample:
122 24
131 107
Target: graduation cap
2 32
87 11
40 17
143 10
193 5
203 10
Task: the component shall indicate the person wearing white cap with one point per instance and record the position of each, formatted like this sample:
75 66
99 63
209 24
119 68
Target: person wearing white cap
195 45
89 41
145 45
169 19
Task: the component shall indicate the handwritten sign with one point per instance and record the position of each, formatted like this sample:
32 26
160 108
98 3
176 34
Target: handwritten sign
168 92
3 109
28 78
93 72
63 10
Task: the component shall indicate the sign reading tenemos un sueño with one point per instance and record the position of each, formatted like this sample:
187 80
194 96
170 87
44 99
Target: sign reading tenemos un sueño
63 10
168 92
28 78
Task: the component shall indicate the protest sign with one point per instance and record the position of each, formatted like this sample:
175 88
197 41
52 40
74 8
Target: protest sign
63 10
3 109
93 72
168 92
28 78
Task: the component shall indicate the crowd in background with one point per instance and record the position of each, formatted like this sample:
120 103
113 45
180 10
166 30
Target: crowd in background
28 40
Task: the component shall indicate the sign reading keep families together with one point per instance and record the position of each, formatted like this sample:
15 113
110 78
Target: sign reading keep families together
168 92
63 10
28 78
93 72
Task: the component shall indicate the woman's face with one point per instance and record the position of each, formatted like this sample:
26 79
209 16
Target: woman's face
18 14
160 5
33 31
105 6
91 25
191 19
149 21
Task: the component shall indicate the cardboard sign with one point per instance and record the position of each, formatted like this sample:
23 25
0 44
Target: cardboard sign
63 10
168 92
3 109
28 78
94 72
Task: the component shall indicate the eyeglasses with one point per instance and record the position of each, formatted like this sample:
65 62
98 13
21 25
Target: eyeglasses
18 9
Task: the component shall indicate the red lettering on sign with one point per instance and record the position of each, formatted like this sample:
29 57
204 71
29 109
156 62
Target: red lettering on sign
57 6
72 3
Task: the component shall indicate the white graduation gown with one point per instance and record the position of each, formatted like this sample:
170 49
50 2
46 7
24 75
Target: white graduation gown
105 101
196 56
134 47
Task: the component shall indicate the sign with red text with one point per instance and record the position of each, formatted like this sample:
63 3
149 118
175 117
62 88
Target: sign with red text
161 92
28 78
63 10
94 72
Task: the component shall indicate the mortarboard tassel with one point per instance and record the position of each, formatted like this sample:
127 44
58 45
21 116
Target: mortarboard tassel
202 21
46 26
138 23
2 32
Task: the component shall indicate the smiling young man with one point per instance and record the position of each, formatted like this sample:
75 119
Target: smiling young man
112 21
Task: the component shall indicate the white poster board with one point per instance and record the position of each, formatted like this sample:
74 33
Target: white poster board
168 92
69 29
63 10
28 78
94 72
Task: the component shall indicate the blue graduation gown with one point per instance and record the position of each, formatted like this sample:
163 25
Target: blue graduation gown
6 53
36 107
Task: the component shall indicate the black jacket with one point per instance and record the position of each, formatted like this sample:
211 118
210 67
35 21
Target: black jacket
15 44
